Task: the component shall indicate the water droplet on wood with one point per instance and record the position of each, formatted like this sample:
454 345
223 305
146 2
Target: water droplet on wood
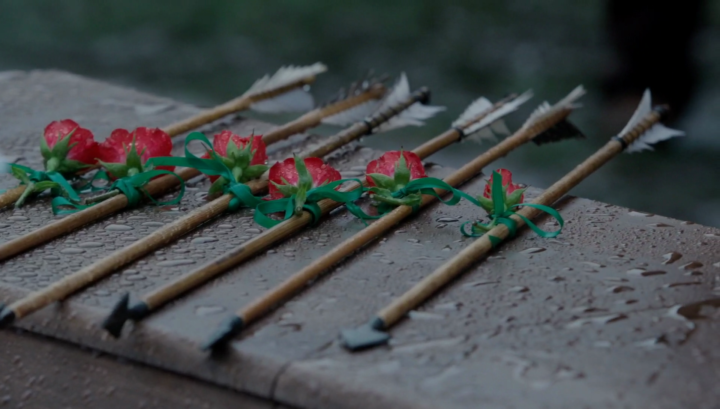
201 240
118 227
603 320
691 265
173 263
91 244
671 257
205 310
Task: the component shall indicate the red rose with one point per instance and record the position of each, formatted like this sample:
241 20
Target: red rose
65 154
506 183
285 179
246 162
125 153
389 162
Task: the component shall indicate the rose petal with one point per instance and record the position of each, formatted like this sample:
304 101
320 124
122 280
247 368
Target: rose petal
386 164
85 147
320 171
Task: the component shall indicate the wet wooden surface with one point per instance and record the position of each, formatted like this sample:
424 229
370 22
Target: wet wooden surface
46 373
592 319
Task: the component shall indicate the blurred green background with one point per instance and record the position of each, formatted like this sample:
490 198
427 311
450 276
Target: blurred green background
206 52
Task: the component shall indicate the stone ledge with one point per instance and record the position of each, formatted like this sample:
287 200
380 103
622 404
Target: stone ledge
541 323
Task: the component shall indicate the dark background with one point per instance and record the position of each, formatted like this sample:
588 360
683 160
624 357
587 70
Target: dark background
205 52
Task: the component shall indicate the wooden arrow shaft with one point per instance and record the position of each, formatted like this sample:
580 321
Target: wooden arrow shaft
104 267
292 284
287 228
482 246
166 183
316 116
238 104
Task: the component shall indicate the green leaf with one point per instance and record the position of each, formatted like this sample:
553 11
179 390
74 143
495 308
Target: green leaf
20 174
68 167
232 150
45 185
254 172
486 204
237 173
514 197
383 181
287 190
300 198
478 228
63 146
133 158
388 199
304 177
118 170
402 173
218 186
45 149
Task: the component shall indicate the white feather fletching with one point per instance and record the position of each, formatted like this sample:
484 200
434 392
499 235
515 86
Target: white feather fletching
298 100
476 108
493 118
499 127
566 103
414 115
655 134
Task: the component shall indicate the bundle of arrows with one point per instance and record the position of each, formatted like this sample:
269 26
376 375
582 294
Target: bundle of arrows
89 181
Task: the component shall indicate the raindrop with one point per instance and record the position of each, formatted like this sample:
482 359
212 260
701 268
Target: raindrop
17 218
136 277
694 273
386 261
657 342
479 283
639 214
533 250
659 225
603 320
226 226
556 279
118 227
620 289
204 310
712 235
639 272
252 231
671 257
593 265
602 344
680 284
173 263
201 240
691 265
153 224
417 315
518 289
449 306
102 293
71 250
446 220
90 244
